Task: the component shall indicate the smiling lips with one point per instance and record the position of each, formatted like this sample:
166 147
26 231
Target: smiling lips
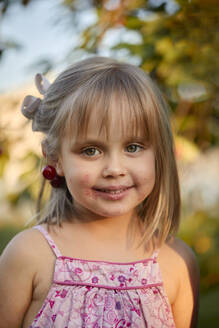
113 192
113 189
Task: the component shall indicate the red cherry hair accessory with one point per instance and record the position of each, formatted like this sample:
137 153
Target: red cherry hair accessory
49 172
57 181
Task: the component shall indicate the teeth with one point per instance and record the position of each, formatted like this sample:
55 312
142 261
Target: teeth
113 191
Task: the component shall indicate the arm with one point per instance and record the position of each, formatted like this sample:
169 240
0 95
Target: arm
17 270
185 306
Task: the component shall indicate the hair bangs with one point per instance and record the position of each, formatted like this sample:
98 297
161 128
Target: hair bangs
108 101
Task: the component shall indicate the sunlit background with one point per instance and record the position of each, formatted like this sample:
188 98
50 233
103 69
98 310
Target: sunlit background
177 42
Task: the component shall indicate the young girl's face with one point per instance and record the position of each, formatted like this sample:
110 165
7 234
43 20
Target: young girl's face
108 176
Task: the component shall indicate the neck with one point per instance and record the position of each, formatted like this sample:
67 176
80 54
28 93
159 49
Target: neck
123 229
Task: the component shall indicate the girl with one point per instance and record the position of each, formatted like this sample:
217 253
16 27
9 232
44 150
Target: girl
113 260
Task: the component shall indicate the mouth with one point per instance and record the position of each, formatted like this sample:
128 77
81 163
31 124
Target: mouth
113 189
113 192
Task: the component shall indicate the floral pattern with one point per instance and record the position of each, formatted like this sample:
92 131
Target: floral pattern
99 294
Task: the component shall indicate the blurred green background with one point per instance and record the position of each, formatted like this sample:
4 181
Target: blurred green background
177 42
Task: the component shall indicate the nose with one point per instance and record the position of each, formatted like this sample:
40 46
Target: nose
113 167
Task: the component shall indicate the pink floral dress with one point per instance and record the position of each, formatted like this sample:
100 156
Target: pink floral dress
101 294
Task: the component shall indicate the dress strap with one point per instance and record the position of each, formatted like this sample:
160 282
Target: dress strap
155 254
50 241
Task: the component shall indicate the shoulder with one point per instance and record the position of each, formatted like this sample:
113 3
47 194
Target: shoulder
19 263
179 252
181 269
19 259
26 267
21 244
178 257
184 259
24 248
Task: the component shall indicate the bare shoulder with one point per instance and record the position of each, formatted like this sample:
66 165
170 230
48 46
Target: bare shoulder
19 264
23 244
178 254
25 249
181 271
182 254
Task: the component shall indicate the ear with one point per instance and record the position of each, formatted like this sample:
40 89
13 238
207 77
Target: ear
57 164
59 168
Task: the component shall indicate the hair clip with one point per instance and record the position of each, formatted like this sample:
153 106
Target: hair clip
30 103
29 106
42 83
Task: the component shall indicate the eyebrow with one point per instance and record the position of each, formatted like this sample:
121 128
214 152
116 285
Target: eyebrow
95 142
99 143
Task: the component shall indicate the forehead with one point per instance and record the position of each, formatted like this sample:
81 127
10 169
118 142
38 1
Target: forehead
107 115
118 121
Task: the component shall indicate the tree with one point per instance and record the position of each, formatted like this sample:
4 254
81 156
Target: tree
178 46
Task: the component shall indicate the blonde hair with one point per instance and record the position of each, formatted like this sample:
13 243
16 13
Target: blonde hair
88 86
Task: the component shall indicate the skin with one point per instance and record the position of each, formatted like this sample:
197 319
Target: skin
91 166
26 275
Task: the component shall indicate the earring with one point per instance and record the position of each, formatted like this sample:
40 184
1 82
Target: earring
57 181
49 173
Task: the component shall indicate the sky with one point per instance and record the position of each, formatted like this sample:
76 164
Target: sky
43 29
38 30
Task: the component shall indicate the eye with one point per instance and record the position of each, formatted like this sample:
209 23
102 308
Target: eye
90 152
133 148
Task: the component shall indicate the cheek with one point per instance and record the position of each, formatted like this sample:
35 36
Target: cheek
79 181
86 183
90 194
145 180
85 179
145 176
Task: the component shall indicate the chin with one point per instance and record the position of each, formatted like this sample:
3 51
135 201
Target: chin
114 213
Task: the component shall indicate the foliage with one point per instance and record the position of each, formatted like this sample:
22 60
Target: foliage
201 232
178 48
175 41
209 316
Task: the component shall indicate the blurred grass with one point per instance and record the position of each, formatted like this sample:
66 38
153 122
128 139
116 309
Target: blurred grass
208 314
209 311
